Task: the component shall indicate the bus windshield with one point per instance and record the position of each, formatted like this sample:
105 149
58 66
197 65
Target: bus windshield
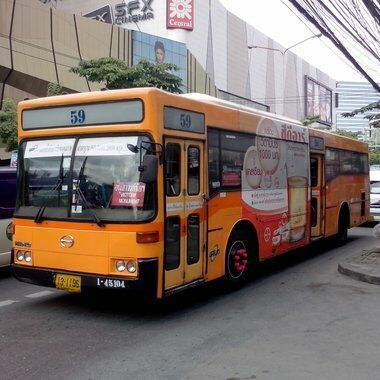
87 179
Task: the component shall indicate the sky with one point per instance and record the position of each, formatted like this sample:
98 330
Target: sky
274 19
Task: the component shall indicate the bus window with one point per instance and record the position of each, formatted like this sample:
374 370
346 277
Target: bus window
193 170
172 243
226 153
314 172
234 147
213 161
172 169
192 239
103 179
332 164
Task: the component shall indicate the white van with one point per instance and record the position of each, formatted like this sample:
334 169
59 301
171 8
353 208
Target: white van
374 177
7 203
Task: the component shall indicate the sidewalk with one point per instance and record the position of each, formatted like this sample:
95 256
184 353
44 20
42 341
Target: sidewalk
363 267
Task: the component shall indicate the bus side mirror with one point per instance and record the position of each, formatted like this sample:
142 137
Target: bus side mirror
149 169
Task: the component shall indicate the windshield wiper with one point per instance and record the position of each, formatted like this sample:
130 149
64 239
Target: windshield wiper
95 217
56 186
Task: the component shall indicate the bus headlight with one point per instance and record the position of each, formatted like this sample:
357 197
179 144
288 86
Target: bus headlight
28 256
131 266
120 265
20 255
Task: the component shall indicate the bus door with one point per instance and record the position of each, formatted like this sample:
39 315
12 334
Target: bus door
185 212
317 212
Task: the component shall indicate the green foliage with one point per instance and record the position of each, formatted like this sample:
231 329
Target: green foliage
8 124
53 89
374 156
109 70
374 119
351 135
310 120
117 74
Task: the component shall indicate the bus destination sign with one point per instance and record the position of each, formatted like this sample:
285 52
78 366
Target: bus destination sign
77 115
184 120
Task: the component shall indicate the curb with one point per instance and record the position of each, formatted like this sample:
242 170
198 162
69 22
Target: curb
364 267
357 275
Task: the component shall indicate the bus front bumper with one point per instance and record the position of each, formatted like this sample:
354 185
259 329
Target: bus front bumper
145 284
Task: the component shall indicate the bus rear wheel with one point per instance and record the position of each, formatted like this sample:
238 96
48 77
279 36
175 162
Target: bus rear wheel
238 260
341 236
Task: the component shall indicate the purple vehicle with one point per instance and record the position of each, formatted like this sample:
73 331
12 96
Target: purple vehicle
7 204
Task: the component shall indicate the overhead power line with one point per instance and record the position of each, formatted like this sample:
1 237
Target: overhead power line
353 26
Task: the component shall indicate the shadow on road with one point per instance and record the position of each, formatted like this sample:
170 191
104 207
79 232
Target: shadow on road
5 273
121 305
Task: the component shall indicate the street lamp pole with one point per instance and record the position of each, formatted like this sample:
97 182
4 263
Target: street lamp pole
301 42
290 47
283 52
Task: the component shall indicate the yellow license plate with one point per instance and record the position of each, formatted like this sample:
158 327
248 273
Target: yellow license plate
68 283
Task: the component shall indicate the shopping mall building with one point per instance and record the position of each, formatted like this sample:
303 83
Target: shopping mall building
216 52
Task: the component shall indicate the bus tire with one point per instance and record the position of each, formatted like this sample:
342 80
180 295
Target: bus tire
343 222
238 260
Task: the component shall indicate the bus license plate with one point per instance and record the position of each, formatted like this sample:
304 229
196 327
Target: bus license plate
68 283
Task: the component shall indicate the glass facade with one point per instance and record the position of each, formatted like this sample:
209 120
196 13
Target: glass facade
159 50
354 95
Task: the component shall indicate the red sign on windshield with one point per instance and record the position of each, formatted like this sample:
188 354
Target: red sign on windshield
128 194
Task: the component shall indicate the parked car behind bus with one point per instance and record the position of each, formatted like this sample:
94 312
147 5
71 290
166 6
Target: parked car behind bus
7 203
374 176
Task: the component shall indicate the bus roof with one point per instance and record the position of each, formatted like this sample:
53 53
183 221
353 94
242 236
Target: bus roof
341 142
239 107
197 100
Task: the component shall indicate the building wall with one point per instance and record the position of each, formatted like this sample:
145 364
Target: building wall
43 42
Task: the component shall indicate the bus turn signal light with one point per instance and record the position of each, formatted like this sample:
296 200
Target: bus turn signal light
11 229
147 237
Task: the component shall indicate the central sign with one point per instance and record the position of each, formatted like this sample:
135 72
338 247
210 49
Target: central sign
180 14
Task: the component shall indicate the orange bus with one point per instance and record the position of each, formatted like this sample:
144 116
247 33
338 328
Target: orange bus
144 191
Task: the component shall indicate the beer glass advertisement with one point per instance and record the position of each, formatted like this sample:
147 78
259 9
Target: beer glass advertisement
275 184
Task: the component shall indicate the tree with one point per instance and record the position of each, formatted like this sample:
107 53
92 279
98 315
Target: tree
53 89
117 74
310 120
351 135
8 124
374 156
374 119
